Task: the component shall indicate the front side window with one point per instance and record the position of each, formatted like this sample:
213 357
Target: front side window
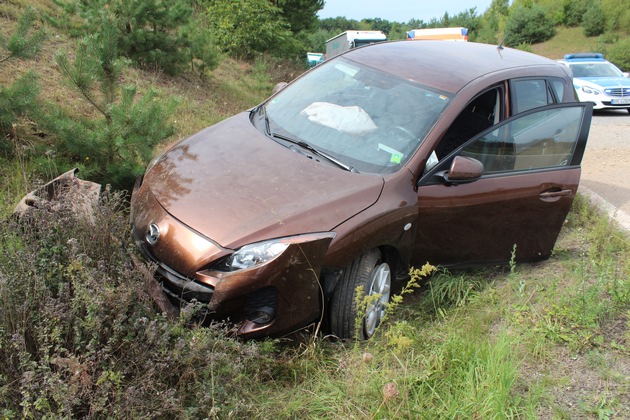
538 139
367 119
481 113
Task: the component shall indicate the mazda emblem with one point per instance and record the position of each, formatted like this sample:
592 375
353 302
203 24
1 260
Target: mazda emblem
153 234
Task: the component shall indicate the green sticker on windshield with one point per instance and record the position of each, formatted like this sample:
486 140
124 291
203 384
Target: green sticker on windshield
395 155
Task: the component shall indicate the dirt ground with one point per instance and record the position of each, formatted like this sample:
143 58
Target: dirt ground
593 385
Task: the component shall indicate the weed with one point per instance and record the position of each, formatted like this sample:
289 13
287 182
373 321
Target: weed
79 337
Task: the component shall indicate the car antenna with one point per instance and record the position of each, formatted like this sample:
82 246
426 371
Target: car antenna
500 47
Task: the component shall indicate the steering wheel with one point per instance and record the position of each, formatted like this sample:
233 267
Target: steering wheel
406 132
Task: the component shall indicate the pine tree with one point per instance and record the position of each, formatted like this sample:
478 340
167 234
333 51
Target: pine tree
19 99
152 33
115 146
300 14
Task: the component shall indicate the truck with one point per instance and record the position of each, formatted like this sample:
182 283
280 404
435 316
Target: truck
352 39
445 34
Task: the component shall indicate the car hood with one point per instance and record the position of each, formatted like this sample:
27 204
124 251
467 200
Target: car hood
234 185
605 82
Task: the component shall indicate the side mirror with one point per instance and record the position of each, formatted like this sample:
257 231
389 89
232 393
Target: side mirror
626 74
463 170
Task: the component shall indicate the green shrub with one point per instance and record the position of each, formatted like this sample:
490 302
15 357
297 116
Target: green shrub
617 15
152 33
574 11
619 54
529 25
248 27
593 21
80 337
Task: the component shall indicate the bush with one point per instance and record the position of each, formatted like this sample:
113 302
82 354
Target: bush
617 14
619 54
529 25
152 33
248 27
574 12
80 337
593 21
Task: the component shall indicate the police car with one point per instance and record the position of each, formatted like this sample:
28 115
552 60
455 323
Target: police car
599 81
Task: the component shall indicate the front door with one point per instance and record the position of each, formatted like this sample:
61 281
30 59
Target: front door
518 206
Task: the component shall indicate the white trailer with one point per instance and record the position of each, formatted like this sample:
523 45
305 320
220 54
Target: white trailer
352 39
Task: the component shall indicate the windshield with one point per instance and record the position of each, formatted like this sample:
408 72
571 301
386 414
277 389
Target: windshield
369 120
595 70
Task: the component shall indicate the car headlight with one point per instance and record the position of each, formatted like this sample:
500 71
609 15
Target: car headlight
254 254
591 90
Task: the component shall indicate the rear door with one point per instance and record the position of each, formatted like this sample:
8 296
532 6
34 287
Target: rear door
530 178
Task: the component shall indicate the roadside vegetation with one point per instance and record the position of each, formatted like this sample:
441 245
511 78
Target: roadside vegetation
79 334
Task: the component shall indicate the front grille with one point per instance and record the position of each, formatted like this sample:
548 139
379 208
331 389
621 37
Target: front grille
176 284
620 92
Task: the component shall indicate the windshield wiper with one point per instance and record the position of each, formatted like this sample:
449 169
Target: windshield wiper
313 150
262 109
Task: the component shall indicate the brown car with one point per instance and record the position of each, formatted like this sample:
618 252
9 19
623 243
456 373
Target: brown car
382 158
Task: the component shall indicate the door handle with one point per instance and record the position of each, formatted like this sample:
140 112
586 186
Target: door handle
555 194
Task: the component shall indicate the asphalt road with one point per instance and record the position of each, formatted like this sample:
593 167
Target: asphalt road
606 164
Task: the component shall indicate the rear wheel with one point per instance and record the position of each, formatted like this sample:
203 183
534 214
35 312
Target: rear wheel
375 278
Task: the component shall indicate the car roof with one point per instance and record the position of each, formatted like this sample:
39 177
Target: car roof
444 65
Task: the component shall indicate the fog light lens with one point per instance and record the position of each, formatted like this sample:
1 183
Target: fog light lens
262 306
262 315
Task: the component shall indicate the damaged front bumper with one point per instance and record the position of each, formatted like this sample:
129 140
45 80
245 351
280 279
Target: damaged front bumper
275 297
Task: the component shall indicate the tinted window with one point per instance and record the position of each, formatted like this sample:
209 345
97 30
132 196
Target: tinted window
542 139
481 113
529 94
558 88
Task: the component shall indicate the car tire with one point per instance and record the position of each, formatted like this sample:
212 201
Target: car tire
374 276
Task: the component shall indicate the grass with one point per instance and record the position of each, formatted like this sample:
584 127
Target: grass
566 40
500 351
80 336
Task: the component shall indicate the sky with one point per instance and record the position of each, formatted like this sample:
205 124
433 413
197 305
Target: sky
399 10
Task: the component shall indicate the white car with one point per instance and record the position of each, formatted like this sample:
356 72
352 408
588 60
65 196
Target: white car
599 81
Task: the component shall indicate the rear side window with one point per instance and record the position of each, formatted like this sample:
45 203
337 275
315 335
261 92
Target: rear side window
558 88
529 94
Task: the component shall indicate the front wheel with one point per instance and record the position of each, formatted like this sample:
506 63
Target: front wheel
374 278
